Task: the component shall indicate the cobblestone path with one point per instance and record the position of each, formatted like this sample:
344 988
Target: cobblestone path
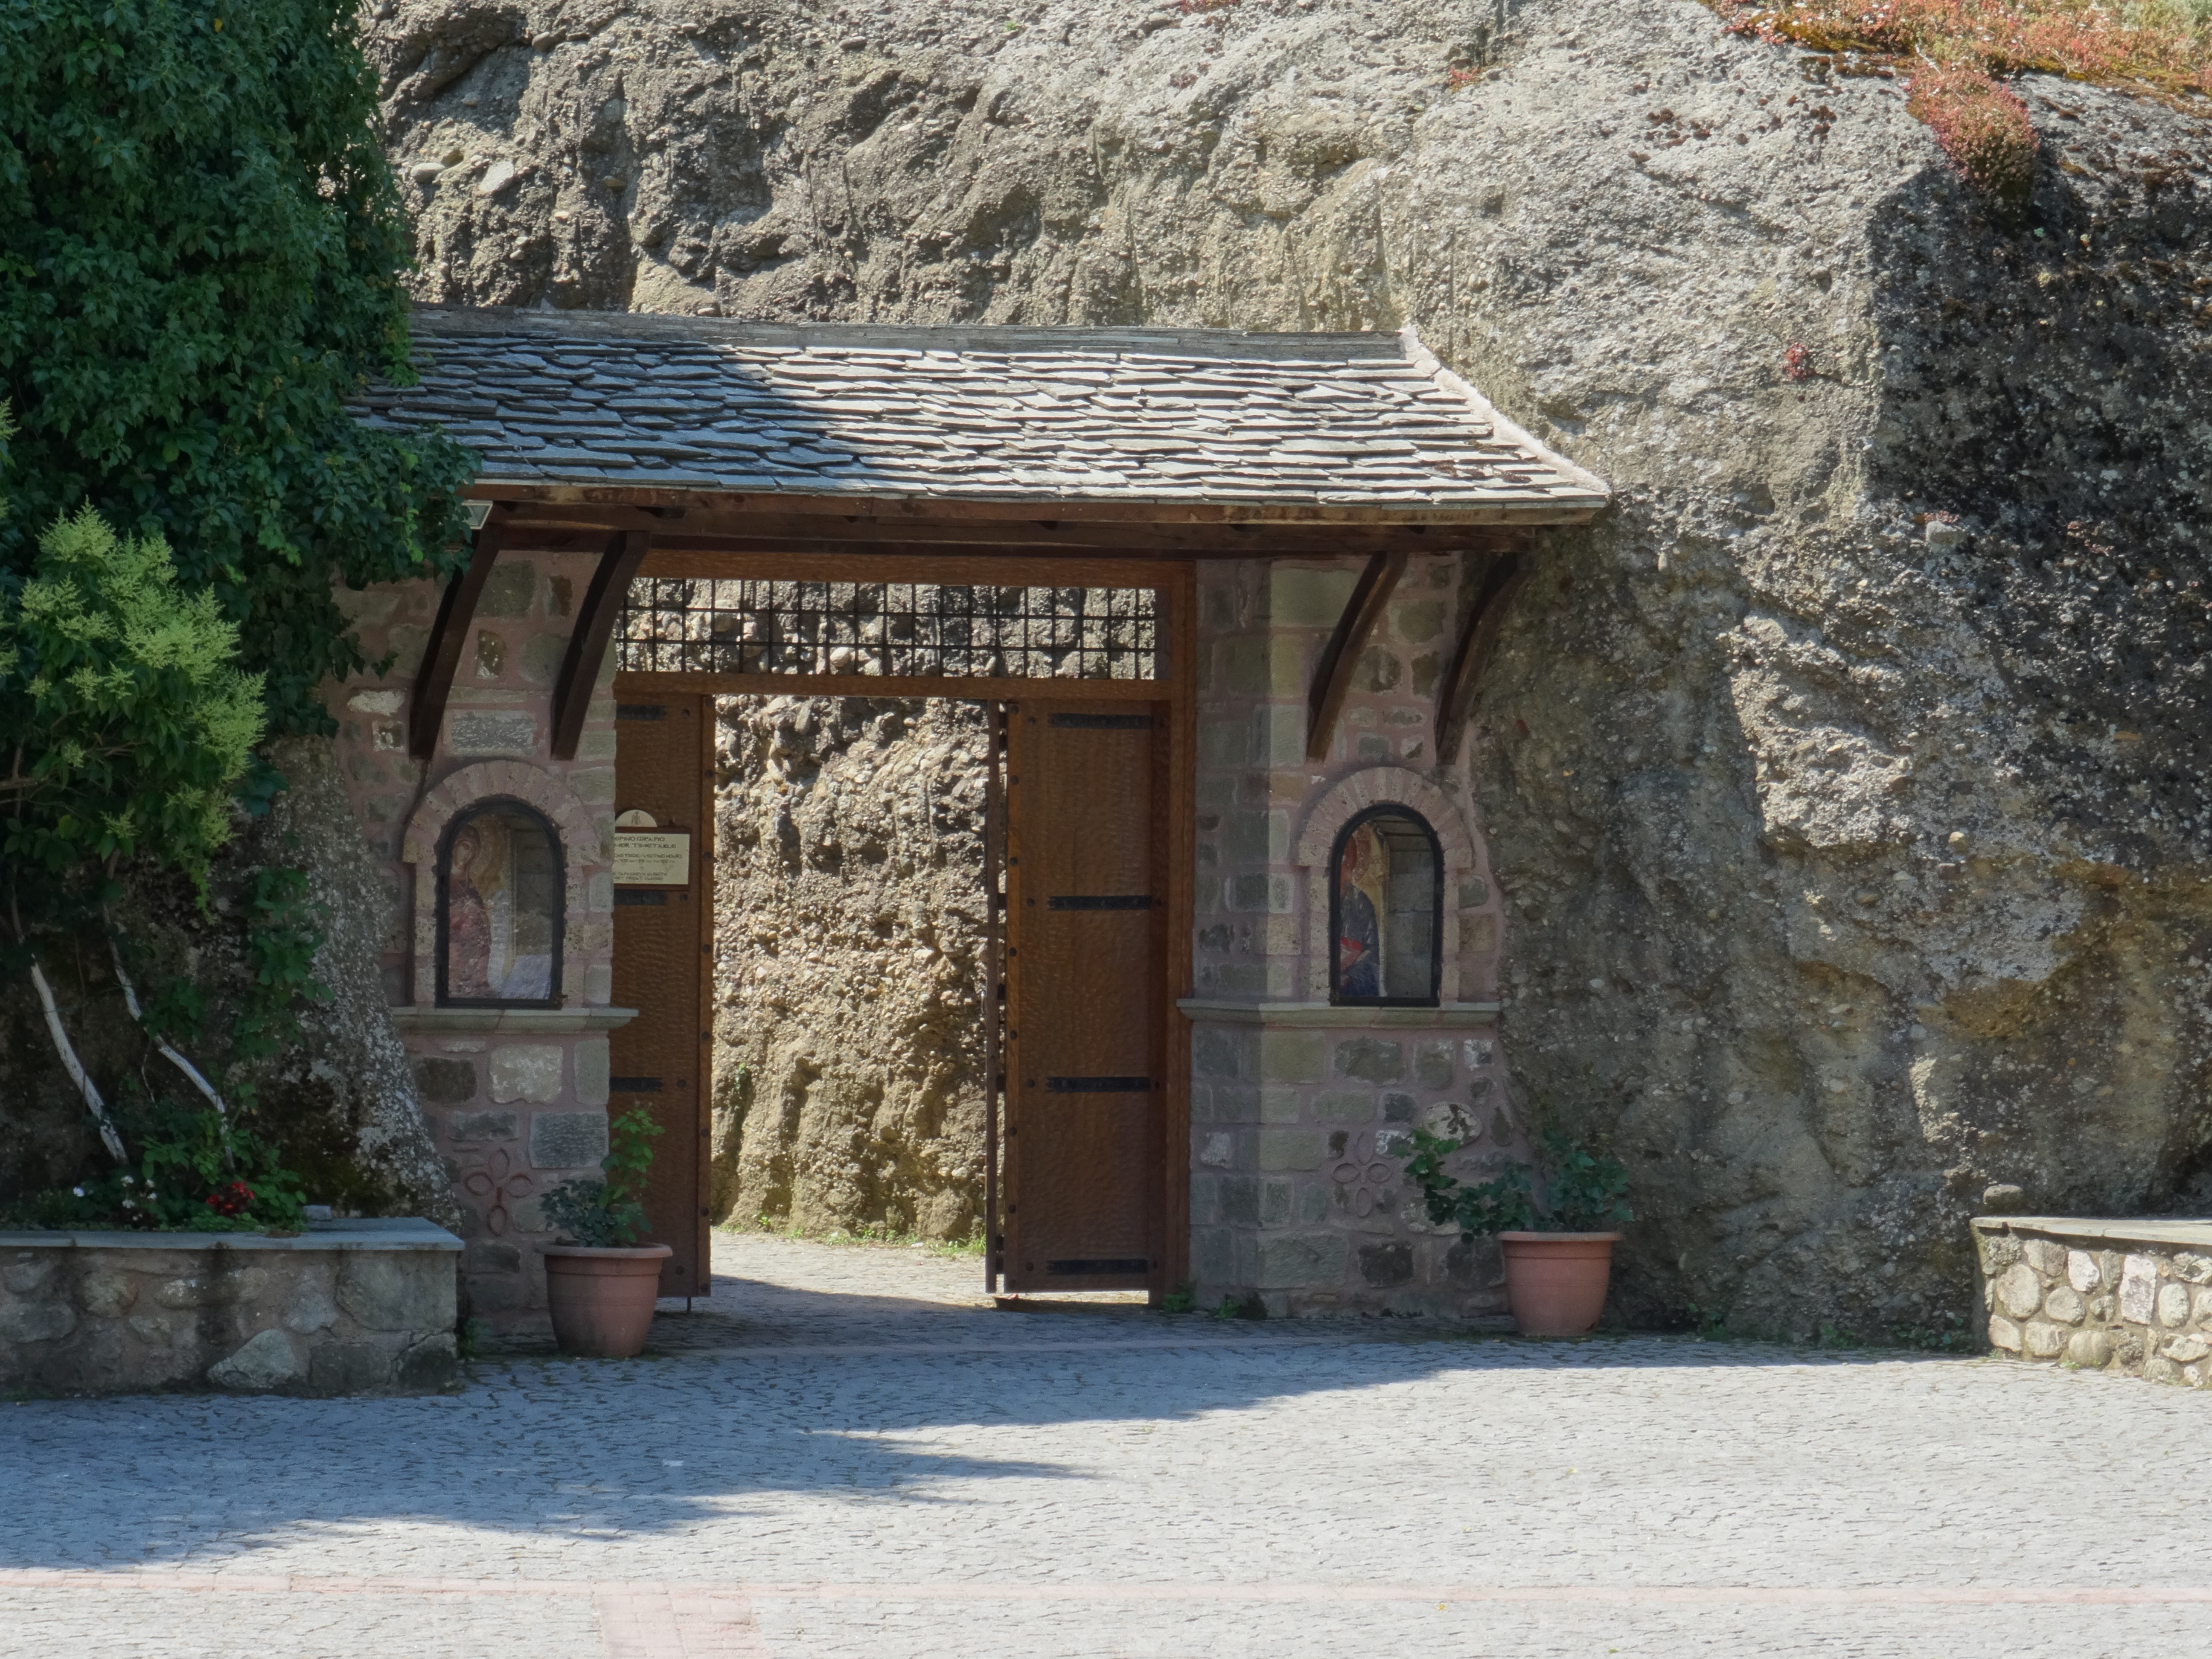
853 1454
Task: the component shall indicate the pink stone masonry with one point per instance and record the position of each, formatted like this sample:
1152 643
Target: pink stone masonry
516 1101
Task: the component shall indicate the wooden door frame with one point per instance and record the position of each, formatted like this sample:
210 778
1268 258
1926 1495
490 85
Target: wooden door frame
703 887
1174 580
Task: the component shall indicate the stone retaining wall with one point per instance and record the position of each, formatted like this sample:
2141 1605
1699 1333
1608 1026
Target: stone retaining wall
349 1308
2128 1296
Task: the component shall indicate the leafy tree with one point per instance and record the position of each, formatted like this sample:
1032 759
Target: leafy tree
200 267
128 723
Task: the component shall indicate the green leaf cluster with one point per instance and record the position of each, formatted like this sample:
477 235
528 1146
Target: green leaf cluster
196 1171
608 1213
125 716
200 267
1584 1190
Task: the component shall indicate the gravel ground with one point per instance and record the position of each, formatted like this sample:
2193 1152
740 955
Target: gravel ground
850 1450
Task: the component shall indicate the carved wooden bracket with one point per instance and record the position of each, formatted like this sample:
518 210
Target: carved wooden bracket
1333 674
587 643
1503 579
434 680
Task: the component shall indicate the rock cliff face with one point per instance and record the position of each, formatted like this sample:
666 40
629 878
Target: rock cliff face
849 917
1846 781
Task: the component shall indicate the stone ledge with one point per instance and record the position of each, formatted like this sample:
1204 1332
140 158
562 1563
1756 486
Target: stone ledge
351 1308
1451 1015
529 1021
372 1233
2128 1295
2186 1233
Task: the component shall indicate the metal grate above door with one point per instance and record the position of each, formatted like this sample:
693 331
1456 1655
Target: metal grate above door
893 629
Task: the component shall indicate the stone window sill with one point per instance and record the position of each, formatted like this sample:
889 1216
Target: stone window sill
533 1021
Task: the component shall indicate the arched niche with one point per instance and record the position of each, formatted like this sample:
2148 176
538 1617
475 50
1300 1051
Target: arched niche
502 871
427 843
1318 845
1386 893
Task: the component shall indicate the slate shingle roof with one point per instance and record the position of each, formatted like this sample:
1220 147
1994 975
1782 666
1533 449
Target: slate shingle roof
1351 425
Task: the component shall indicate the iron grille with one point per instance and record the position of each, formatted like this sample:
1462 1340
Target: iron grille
693 625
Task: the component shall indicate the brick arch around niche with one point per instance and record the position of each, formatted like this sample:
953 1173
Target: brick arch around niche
1381 786
580 855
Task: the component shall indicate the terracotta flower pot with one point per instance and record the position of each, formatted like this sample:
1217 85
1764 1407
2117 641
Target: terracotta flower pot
1556 1282
602 1298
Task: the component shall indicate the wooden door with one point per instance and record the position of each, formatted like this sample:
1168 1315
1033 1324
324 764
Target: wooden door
1086 910
664 935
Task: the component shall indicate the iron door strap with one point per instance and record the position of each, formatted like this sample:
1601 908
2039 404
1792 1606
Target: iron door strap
1087 1266
1100 902
1097 1085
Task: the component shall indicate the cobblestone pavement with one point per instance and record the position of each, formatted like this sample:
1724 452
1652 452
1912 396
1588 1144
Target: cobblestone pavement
854 1453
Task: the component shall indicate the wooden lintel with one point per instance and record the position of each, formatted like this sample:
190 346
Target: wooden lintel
1500 582
587 642
1333 674
977 688
553 531
442 656
1013 568
665 504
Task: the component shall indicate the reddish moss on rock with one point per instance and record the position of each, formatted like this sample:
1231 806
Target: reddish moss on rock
1982 126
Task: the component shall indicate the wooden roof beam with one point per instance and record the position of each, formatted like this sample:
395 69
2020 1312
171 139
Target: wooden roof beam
1333 673
442 656
1507 574
588 640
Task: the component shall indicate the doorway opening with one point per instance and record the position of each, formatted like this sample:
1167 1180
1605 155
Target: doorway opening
921 976
851 1087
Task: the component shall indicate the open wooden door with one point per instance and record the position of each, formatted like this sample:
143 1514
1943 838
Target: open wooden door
1085 1075
663 940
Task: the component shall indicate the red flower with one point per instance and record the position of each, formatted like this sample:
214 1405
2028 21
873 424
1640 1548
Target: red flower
231 1199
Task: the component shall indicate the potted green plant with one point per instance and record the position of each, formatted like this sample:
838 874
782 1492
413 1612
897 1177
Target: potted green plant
1558 1256
600 1281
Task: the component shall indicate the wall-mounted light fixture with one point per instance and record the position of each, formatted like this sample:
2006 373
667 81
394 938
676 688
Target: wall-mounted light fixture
478 513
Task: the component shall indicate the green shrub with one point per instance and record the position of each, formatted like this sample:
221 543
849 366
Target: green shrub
201 264
1583 1190
609 1212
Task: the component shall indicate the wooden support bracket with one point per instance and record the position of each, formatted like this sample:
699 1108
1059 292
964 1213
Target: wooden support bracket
434 680
587 642
1333 674
1500 582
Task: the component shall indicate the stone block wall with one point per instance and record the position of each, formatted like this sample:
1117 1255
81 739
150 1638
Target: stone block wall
2126 1296
1301 1113
351 1307
515 1100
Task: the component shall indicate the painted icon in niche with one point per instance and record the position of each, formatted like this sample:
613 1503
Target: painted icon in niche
502 908
1386 909
1361 869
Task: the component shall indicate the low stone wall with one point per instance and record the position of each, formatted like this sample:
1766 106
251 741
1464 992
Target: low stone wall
348 1307
2126 1296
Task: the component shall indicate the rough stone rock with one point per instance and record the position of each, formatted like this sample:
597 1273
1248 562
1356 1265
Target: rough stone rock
2090 1348
389 1292
2173 1304
35 1321
849 915
347 1092
266 1361
1861 742
2019 1292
